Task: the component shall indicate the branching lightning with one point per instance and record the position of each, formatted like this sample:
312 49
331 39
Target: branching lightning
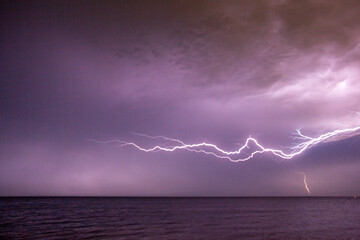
238 155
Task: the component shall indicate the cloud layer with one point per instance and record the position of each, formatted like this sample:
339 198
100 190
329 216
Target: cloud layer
193 70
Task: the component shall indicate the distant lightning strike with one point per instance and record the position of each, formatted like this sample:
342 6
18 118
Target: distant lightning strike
305 183
214 150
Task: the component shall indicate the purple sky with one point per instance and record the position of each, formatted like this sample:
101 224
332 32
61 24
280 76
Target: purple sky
192 70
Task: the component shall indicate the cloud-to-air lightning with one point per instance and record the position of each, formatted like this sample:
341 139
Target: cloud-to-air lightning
235 156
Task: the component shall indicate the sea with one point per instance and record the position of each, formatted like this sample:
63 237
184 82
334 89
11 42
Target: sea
180 218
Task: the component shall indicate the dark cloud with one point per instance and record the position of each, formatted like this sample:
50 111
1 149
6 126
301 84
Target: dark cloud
194 70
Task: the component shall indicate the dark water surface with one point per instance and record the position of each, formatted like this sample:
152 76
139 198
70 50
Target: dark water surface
179 218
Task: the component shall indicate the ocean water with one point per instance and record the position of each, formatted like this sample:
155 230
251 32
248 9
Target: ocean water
180 218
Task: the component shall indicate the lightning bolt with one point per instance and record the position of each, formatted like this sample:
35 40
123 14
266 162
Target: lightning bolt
305 183
237 156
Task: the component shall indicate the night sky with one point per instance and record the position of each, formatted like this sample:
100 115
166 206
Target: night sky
214 71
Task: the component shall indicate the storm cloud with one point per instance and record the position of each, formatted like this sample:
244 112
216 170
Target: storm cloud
193 70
